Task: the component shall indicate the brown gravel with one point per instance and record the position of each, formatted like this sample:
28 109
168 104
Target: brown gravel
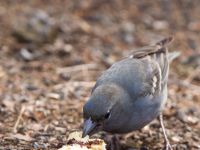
43 85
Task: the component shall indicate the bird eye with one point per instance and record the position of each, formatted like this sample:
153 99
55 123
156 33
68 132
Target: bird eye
107 115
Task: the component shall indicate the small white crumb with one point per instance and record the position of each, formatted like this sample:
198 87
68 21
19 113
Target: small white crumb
79 143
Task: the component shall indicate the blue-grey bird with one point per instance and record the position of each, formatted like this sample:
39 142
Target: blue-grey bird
131 93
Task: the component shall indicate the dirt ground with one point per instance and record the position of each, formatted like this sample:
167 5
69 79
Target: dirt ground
51 53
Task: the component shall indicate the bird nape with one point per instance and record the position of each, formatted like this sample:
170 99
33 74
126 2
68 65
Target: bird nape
131 93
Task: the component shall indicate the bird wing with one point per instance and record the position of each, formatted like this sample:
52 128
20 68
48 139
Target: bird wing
154 74
158 53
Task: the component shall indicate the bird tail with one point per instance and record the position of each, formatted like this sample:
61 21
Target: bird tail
159 47
161 56
159 53
173 55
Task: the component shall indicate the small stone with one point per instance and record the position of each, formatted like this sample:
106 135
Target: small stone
192 120
176 138
35 27
181 115
194 26
26 55
127 30
160 25
53 95
2 72
128 27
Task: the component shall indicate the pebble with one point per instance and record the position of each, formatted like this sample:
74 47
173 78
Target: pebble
160 25
176 138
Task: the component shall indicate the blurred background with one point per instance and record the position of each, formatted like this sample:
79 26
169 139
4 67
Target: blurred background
51 53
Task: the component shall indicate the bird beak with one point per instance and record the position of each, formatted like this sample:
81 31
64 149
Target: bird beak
89 127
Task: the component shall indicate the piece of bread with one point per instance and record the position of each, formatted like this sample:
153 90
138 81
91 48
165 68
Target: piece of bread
76 142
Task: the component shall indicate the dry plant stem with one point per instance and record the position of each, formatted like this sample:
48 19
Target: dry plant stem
18 119
77 83
77 68
167 144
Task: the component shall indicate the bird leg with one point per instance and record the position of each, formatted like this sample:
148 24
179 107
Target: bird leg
115 143
167 144
112 141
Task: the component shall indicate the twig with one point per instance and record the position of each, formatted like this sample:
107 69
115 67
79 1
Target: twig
18 119
81 67
76 83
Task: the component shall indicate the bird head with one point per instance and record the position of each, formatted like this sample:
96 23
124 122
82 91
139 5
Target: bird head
104 109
